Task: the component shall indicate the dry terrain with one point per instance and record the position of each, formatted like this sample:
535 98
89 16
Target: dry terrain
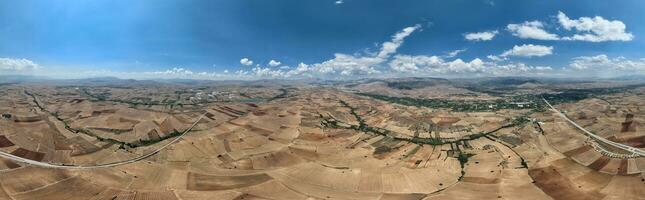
306 141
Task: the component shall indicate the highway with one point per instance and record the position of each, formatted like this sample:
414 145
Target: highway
106 165
633 150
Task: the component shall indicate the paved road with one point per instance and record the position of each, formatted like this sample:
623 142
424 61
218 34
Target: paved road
106 165
633 150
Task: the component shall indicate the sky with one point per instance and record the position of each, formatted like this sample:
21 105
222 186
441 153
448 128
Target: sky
327 39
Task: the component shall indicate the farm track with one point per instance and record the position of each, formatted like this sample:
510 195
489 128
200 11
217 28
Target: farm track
635 151
106 165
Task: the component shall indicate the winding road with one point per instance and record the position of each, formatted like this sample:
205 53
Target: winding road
106 165
633 150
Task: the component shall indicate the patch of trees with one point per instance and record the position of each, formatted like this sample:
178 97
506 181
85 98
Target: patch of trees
460 105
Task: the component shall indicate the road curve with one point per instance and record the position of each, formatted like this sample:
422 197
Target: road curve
106 165
633 150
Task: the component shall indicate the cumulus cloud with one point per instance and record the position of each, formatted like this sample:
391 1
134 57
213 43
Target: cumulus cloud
267 72
496 58
591 29
514 68
246 61
385 62
455 53
481 36
528 50
17 65
382 63
174 72
605 63
346 65
434 65
531 30
274 63
596 29
342 64
405 63
302 69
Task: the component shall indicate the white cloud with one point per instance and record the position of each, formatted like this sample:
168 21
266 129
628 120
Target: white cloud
585 62
246 61
347 65
515 68
400 65
531 30
405 63
434 65
174 72
17 65
274 63
604 63
338 2
459 66
528 50
387 48
300 70
596 29
481 36
266 72
342 64
455 53
496 58
376 65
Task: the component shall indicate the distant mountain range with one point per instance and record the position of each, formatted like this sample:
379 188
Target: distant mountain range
406 83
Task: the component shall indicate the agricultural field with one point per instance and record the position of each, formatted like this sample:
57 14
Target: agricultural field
246 141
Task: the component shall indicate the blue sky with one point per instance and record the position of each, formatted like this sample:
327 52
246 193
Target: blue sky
321 38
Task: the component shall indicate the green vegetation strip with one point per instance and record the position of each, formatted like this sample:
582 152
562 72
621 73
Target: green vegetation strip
574 95
363 127
121 144
527 101
518 102
283 94
462 157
